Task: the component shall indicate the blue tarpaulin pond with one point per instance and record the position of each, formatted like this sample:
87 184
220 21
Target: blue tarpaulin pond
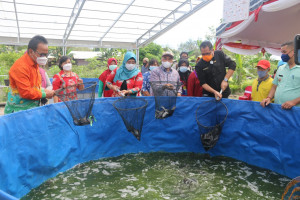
37 144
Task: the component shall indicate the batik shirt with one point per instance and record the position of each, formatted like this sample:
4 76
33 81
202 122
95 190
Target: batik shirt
134 84
62 80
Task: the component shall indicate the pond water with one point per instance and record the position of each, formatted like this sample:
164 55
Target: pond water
163 176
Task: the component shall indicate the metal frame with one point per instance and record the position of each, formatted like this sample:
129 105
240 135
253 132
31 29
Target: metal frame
127 7
75 13
184 10
147 37
16 13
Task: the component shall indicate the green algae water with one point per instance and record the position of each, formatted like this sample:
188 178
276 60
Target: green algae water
163 176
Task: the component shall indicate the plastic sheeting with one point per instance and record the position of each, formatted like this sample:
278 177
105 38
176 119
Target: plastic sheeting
269 16
37 144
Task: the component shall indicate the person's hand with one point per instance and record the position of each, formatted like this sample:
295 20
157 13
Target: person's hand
218 95
224 85
49 93
115 88
169 86
80 81
124 92
265 102
288 105
80 84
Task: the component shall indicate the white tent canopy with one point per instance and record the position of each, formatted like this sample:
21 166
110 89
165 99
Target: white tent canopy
278 21
126 24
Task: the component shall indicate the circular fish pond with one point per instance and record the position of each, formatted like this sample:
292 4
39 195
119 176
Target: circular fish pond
163 176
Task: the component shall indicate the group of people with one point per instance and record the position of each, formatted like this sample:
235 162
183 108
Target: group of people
29 83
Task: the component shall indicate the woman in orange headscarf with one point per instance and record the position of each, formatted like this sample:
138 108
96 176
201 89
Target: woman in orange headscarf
103 90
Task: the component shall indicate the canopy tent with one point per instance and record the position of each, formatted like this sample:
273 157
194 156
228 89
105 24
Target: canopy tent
126 24
270 24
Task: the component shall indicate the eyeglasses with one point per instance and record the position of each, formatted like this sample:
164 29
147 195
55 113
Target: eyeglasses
42 54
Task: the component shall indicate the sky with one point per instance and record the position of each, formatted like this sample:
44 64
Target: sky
194 27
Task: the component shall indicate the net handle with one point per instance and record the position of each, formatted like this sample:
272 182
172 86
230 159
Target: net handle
217 124
56 92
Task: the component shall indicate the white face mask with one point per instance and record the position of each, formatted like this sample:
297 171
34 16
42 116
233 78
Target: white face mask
183 69
112 67
166 64
130 66
41 60
67 67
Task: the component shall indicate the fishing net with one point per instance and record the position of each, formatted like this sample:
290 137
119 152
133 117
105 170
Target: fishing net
292 190
132 110
211 116
79 99
165 93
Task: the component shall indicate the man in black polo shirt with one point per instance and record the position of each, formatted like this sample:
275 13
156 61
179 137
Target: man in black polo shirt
211 71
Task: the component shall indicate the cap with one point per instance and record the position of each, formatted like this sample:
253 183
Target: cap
168 53
146 59
265 64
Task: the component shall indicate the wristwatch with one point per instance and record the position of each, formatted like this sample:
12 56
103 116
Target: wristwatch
225 79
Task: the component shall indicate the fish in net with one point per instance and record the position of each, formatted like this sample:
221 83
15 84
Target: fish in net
211 116
132 111
79 100
165 94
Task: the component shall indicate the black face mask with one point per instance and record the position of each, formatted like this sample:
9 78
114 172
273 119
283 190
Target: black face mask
144 64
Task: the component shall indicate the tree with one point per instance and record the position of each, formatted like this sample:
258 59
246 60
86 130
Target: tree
150 51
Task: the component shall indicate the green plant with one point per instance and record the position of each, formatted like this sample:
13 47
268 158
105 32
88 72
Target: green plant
235 88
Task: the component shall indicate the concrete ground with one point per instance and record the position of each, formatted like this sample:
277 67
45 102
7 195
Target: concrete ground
1 110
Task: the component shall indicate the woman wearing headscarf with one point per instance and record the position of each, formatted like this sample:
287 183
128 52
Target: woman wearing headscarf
184 74
126 80
103 89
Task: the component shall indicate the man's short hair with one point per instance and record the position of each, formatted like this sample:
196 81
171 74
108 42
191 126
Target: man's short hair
205 44
146 59
152 62
289 44
184 53
35 41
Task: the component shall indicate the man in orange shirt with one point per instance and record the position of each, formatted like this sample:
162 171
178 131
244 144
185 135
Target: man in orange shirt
25 81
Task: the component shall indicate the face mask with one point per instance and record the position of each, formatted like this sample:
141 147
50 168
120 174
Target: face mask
130 66
112 67
152 67
166 64
67 67
144 64
41 60
285 57
261 74
207 58
183 69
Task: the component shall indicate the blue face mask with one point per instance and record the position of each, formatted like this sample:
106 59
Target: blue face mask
183 69
261 74
152 67
285 57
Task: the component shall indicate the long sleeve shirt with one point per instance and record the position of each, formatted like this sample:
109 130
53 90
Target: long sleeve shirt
25 85
134 84
161 74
